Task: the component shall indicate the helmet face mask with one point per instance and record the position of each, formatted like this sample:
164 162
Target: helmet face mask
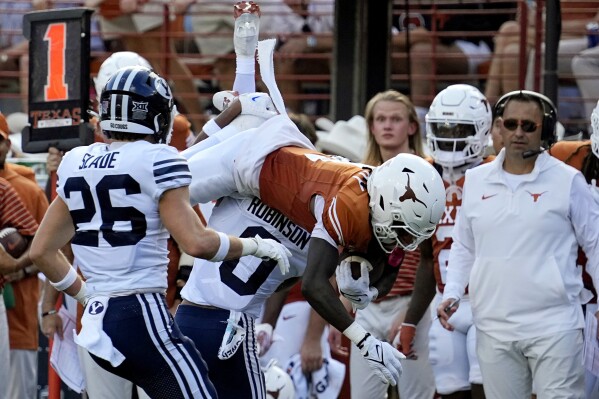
595 130
399 234
407 200
137 100
458 125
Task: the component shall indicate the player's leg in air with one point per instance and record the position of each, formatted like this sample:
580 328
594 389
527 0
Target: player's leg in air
245 40
215 160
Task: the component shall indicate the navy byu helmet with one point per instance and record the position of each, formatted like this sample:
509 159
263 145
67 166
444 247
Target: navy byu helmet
137 100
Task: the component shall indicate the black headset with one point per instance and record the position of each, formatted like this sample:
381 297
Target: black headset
548 134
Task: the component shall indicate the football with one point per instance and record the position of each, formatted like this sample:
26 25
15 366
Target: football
13 242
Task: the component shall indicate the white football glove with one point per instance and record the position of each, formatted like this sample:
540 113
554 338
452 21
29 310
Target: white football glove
257 104
233 336
382 358
358 292
263 338
269 248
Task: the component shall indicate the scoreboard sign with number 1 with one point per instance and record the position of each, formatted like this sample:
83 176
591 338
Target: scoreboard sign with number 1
59 47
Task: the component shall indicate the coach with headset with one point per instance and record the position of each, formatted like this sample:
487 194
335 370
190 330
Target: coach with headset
515 243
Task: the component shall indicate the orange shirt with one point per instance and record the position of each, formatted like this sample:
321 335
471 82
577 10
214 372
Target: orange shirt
292 176
13 212
22 319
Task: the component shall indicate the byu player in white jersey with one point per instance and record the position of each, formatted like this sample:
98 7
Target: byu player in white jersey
118 202
235 291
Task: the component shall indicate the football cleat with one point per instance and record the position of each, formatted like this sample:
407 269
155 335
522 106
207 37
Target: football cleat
247 28
257 104
222 99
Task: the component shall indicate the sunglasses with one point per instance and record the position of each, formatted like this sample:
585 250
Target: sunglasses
526 125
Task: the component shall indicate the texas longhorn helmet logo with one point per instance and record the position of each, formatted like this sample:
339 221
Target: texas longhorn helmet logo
410 194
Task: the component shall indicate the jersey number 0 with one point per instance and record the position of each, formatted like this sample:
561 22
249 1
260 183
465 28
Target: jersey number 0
258 277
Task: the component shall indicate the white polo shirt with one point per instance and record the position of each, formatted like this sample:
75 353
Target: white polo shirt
515 244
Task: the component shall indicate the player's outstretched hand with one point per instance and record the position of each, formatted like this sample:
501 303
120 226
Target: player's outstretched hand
357 291
268 248
383 359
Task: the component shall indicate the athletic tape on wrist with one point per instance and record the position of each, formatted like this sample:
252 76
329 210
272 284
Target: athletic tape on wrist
80 296
249 246
223 248
356 333
211 127
67 280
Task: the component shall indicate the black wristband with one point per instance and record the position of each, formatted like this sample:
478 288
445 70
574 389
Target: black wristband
361 343
49 312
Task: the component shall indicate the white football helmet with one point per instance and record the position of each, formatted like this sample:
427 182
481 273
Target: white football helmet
278 383
595 130
407 200
115 62
458 125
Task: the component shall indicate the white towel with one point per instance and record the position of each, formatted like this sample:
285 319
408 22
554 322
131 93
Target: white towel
266 49
92 336
327 381
324 383
300 382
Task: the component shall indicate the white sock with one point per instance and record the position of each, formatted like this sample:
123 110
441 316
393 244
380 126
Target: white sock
245 75
245 65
